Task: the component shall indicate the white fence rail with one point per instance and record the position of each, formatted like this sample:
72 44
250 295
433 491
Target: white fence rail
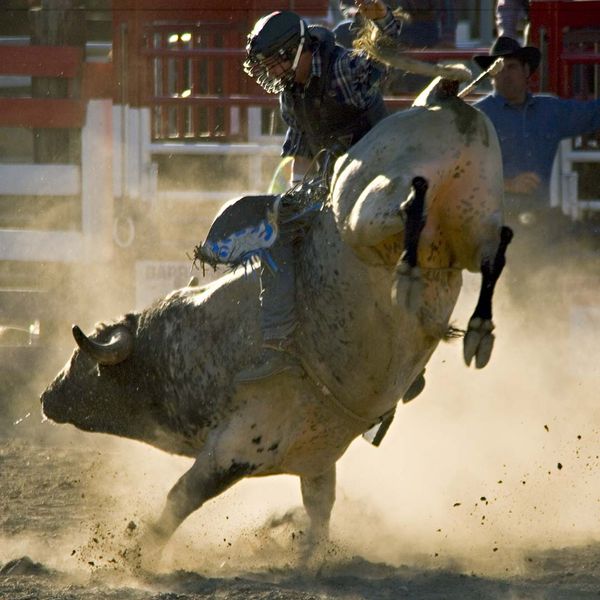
136 173
40 180
564 191
117 154
92 182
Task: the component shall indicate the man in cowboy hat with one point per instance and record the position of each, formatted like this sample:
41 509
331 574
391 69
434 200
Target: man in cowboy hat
529 126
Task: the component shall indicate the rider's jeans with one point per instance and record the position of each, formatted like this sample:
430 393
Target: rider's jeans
278 292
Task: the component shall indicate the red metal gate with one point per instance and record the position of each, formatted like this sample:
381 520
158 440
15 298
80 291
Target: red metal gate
568 35
183 59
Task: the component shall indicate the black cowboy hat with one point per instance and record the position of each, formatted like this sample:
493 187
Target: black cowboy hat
507 47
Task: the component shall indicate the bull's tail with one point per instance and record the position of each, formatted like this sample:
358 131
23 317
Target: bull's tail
453 333
391 53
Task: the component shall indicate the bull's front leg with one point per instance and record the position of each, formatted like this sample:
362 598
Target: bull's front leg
318 496
203 481
408 286
479 339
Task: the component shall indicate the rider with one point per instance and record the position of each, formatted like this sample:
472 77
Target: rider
329 98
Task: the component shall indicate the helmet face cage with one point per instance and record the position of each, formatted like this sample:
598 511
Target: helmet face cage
273 74
272 59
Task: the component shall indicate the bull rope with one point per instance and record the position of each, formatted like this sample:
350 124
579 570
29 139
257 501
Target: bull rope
348 412
451 332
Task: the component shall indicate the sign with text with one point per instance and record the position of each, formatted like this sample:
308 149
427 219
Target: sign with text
154 279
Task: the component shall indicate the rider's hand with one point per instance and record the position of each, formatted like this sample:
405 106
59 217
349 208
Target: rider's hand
524 183
300 167
372 9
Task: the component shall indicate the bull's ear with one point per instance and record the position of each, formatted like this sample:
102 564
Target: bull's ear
116 350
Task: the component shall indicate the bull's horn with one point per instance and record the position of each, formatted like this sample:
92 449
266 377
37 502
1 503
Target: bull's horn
116 350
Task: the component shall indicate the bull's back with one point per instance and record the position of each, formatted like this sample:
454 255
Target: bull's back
465 204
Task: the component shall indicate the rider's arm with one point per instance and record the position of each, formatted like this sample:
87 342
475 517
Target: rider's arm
355 80
355 76
381 14
294 143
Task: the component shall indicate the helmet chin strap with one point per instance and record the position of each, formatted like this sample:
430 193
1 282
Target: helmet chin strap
300 46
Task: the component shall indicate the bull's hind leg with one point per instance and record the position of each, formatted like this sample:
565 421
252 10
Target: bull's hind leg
408 287
479 339
318 496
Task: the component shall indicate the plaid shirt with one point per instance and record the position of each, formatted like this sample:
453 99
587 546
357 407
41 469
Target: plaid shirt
351 84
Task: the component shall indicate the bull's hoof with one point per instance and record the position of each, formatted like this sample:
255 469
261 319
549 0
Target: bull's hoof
407 290
478 342
149 549
314 557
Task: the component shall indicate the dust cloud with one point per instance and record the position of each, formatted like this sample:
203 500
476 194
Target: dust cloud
482 471
486 467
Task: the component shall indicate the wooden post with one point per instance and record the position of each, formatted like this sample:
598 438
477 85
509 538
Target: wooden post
57 23
97 200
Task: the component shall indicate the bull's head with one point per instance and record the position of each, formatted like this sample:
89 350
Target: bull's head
101 388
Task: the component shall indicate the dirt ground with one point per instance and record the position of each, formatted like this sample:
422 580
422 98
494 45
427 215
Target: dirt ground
65 529
486 486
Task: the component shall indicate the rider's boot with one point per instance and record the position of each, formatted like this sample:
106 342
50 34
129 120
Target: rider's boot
277 316
276 356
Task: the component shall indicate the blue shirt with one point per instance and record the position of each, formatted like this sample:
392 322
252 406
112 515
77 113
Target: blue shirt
530 134
351 84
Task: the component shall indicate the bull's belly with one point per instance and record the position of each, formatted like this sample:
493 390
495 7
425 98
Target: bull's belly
285 425
320 443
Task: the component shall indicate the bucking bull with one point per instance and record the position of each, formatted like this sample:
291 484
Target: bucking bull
417 200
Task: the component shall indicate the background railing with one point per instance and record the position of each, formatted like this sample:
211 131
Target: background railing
568 35
55 207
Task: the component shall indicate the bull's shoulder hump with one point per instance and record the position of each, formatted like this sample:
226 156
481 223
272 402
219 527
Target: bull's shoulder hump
234 286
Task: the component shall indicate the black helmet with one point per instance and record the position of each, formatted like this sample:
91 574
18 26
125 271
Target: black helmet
276 39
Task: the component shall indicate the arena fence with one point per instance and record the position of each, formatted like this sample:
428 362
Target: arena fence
568 36
88 181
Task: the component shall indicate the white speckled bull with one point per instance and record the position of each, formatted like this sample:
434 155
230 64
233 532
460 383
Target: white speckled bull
370 318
